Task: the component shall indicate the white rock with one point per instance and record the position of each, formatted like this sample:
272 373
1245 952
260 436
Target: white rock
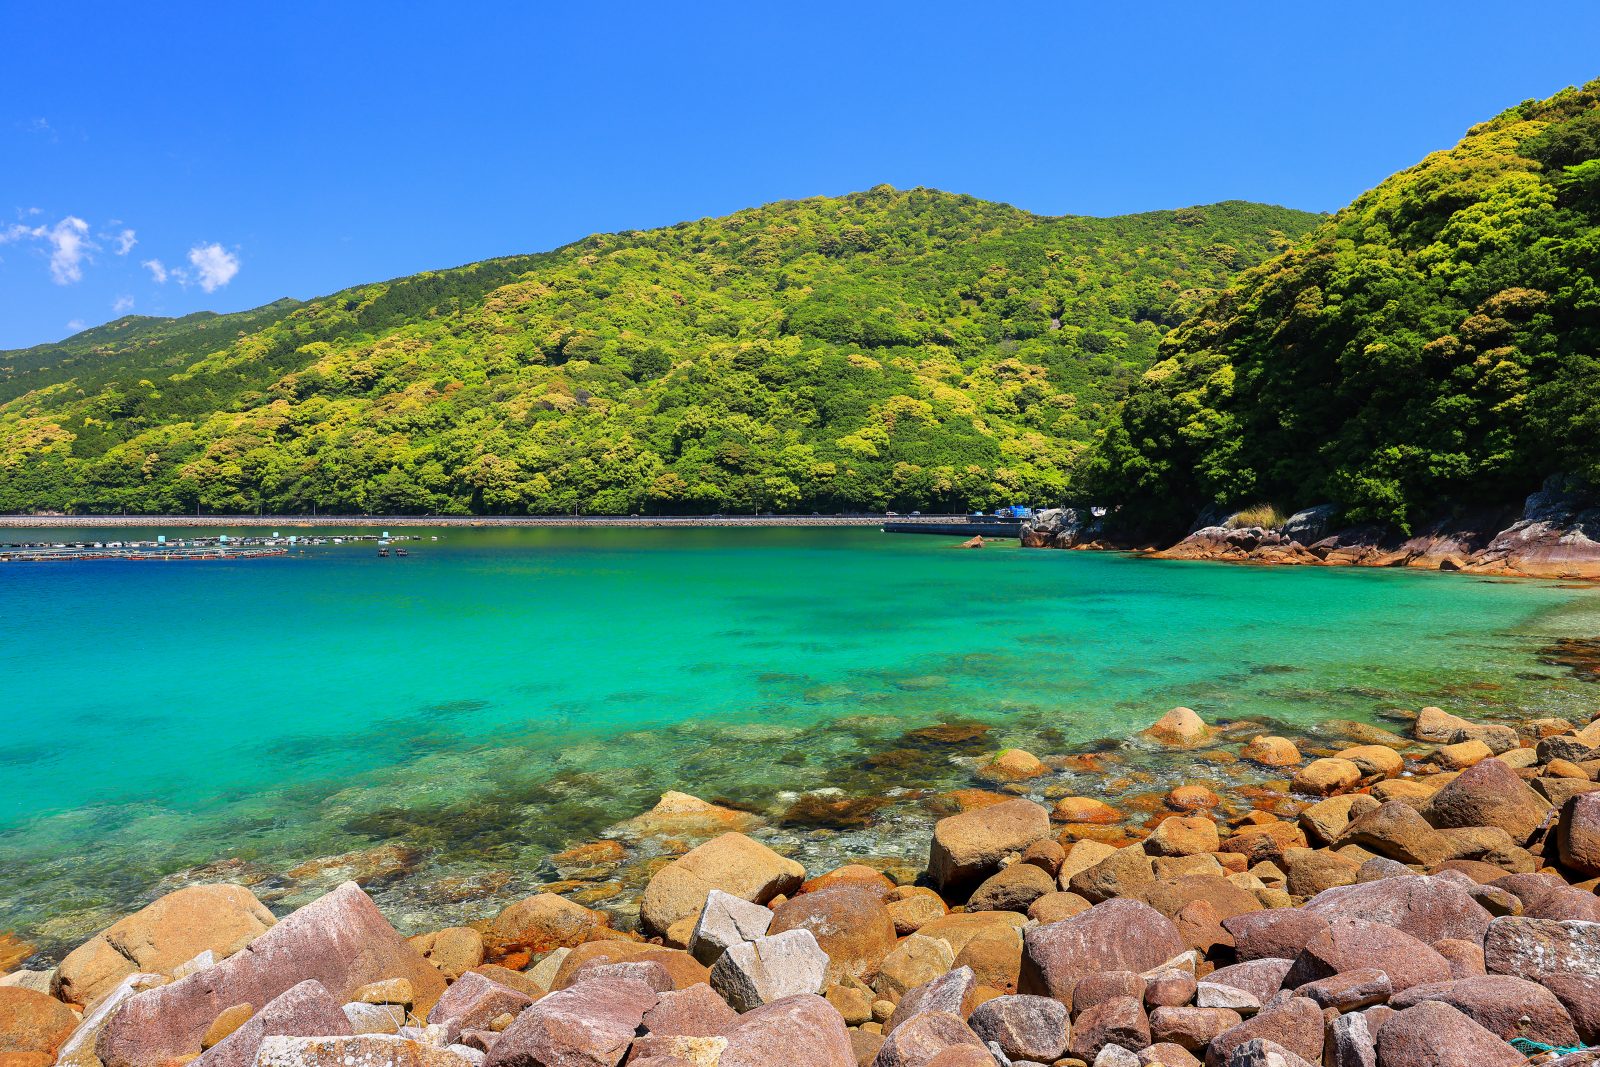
726 921
753 973
1217 995
78 1049
375 1018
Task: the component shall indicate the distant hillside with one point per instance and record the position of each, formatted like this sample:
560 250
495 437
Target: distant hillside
887 348
1433 346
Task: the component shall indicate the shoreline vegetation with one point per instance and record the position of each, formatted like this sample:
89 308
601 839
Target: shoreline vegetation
1360 896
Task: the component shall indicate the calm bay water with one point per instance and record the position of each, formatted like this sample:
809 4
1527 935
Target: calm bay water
502 693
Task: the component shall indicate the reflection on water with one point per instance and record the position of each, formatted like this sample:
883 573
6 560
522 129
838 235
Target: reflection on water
451 719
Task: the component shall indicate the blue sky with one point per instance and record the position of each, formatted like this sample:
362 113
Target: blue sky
163 159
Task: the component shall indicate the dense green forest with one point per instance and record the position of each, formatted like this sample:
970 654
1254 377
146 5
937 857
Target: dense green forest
889 348
1433 346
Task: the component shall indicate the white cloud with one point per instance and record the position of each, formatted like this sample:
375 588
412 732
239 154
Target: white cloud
69 246
124 242
214 265
156 269
76 325
122 305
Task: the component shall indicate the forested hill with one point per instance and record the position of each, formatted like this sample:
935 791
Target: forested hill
889 348
1433 347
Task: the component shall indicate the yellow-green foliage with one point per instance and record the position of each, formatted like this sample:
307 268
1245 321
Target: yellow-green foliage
1263 515
913 349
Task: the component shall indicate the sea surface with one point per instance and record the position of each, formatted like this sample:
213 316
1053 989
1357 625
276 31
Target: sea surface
503 693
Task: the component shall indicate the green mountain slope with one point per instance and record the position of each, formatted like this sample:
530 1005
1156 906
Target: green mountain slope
1435 345
888 348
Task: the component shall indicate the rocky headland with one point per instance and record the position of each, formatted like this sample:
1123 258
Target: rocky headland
1555 534
1384 900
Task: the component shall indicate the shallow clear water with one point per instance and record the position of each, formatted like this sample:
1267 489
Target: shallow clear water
501 693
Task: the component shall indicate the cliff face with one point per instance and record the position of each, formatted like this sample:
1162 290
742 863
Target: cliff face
1556 534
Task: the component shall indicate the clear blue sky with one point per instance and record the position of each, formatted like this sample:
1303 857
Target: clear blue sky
255 151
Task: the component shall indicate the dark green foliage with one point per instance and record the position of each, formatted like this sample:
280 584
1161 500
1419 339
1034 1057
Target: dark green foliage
883 349
1432 346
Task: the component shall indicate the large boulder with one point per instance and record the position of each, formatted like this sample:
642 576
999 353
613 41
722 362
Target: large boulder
589 1023
769 969
473 1002
163 936
698 1011
954 993
1351 944
1502 1004
362 1050
1025 1027
851 925
918 1040
1180 726
1433 1034
304 1010
1295 1023
968 847
32 1023
575 964
1561 955
539 924
1546 896
1278 933
340 939
1429 909
1191 1028
726 921
1397 831
1014 888
1118 1021
733 863
1261 978
78 1051
798 1031
1115 935
1488 794
1578 834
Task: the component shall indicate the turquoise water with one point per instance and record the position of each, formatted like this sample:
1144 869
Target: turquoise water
502 693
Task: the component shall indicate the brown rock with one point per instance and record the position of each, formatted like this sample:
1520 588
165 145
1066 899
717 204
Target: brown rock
455 950
1561 955
696 1011
303 1010
1295 1023
1200 926
1115 935
914 962
1082 855
1054 907
1010 765
1504 1005
1191 1029
733 863
1025 1027
1465 957
912 906
1266 842
1180 726
969 847
682 815
1047 855
162 936
1461 756
1351 944
851 925
799 1031
1118 1021
959 929
1085 809
1166 1054
917 1040
1326 776
32 1023
1096 989
953 993
1191 797
1272 751
1397 831
1433 1034
1178 835
1119 874
1545 896
683 968
1349 991
1279 933
995 957
1261 978
1325 820
226 1023
1170 988
1578 834
1014 888
472 1003
591 1023
1426 908
538 924
1171 897
855 875
340 940
1374 761
1313 870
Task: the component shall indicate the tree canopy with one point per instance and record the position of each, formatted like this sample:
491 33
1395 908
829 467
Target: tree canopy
890 348
1433 346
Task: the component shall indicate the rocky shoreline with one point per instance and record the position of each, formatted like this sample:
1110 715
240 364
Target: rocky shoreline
1381 901
1555 534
